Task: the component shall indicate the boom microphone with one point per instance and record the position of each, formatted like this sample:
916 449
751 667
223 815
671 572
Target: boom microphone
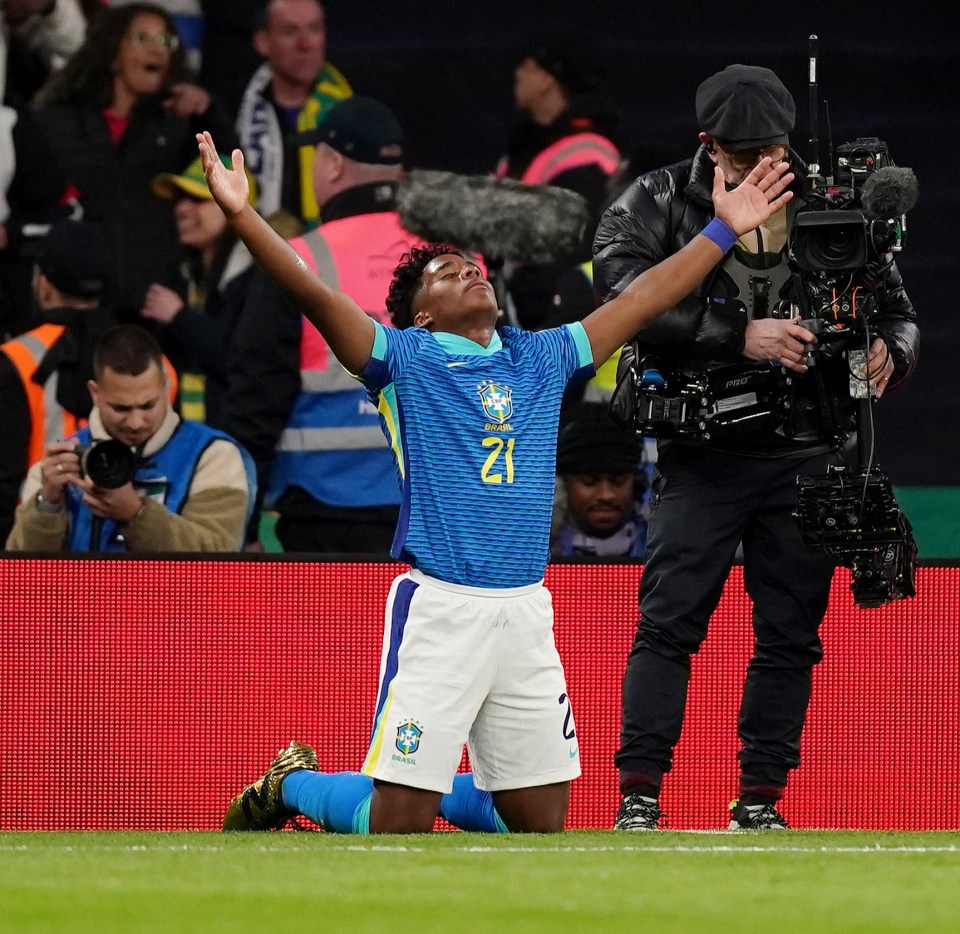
501 219
890 191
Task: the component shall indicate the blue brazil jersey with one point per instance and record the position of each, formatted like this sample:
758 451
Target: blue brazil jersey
474 433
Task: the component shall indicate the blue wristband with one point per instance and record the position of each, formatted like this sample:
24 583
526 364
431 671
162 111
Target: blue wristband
721 233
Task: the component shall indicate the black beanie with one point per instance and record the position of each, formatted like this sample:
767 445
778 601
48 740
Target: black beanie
590 442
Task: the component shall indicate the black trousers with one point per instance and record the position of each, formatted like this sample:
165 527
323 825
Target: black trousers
705 504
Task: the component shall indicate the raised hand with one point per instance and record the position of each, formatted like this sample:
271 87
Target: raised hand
759 195
229 187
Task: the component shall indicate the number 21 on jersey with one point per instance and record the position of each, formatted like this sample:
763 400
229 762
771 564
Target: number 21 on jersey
492 471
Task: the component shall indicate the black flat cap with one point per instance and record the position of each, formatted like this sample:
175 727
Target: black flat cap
745 107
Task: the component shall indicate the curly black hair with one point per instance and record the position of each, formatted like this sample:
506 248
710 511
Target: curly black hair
407 278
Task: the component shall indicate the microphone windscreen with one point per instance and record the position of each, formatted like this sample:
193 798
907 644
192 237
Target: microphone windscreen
890 191
501 219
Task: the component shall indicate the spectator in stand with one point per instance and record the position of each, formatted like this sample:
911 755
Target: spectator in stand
599 509
198 307
563 137
34 200
39 35
119 113
188 19
322 460
567 124
44 374
35 38
289 94
191 488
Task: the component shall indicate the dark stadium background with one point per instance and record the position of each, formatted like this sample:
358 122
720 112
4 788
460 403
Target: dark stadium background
888 70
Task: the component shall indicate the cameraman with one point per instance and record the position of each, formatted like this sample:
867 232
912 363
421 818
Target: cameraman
191 488
710 496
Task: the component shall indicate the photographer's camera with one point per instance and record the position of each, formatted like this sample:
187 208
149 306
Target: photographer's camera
109 463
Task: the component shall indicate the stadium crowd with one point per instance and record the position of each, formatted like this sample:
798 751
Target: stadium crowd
102 100
102 104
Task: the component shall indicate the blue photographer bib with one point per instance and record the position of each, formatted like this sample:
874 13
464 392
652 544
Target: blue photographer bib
165 476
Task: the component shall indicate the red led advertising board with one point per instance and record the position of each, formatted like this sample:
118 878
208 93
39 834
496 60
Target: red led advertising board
143 694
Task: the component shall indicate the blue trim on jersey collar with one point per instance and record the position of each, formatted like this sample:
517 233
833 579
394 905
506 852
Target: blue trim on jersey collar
464 347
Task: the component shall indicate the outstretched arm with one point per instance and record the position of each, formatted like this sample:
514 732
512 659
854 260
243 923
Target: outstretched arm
659 288
344 325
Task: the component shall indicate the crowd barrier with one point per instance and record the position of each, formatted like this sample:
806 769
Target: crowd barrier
142 694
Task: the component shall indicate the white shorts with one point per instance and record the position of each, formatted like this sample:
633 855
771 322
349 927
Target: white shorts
474 666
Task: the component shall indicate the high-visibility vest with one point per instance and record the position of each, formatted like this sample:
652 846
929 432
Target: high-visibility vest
567 153
49 420
333 446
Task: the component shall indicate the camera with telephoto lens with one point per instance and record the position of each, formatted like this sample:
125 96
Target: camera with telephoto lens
109 463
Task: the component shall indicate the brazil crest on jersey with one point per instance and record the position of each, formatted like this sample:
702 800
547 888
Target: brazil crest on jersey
474 433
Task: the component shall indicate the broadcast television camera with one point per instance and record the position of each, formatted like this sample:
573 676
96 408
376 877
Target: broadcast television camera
844 237
844 233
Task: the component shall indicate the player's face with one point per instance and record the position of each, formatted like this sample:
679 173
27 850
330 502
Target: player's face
132 408
453 293
599 503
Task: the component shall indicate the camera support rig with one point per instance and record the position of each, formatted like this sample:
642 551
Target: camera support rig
851 513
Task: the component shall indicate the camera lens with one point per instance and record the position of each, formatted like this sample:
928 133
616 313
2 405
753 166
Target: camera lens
109 464
835 245
830 240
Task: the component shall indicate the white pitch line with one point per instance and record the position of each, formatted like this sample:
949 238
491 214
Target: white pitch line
399 848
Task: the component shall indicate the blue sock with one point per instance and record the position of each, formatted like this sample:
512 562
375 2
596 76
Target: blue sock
469 808
340 802
337 801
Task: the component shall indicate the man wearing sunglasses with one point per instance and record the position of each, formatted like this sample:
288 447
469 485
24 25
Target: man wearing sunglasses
737 486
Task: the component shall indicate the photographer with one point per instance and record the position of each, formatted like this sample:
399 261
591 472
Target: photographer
739 485
188 488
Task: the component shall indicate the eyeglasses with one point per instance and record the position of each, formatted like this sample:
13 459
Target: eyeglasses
166 40
777 152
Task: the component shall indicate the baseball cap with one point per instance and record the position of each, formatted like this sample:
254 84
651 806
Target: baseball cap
746 107
73 256
193 182
360 128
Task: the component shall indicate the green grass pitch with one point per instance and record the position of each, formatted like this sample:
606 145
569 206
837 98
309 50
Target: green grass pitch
777 882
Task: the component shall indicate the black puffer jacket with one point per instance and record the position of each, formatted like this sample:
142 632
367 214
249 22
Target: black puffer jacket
114 183
663 211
